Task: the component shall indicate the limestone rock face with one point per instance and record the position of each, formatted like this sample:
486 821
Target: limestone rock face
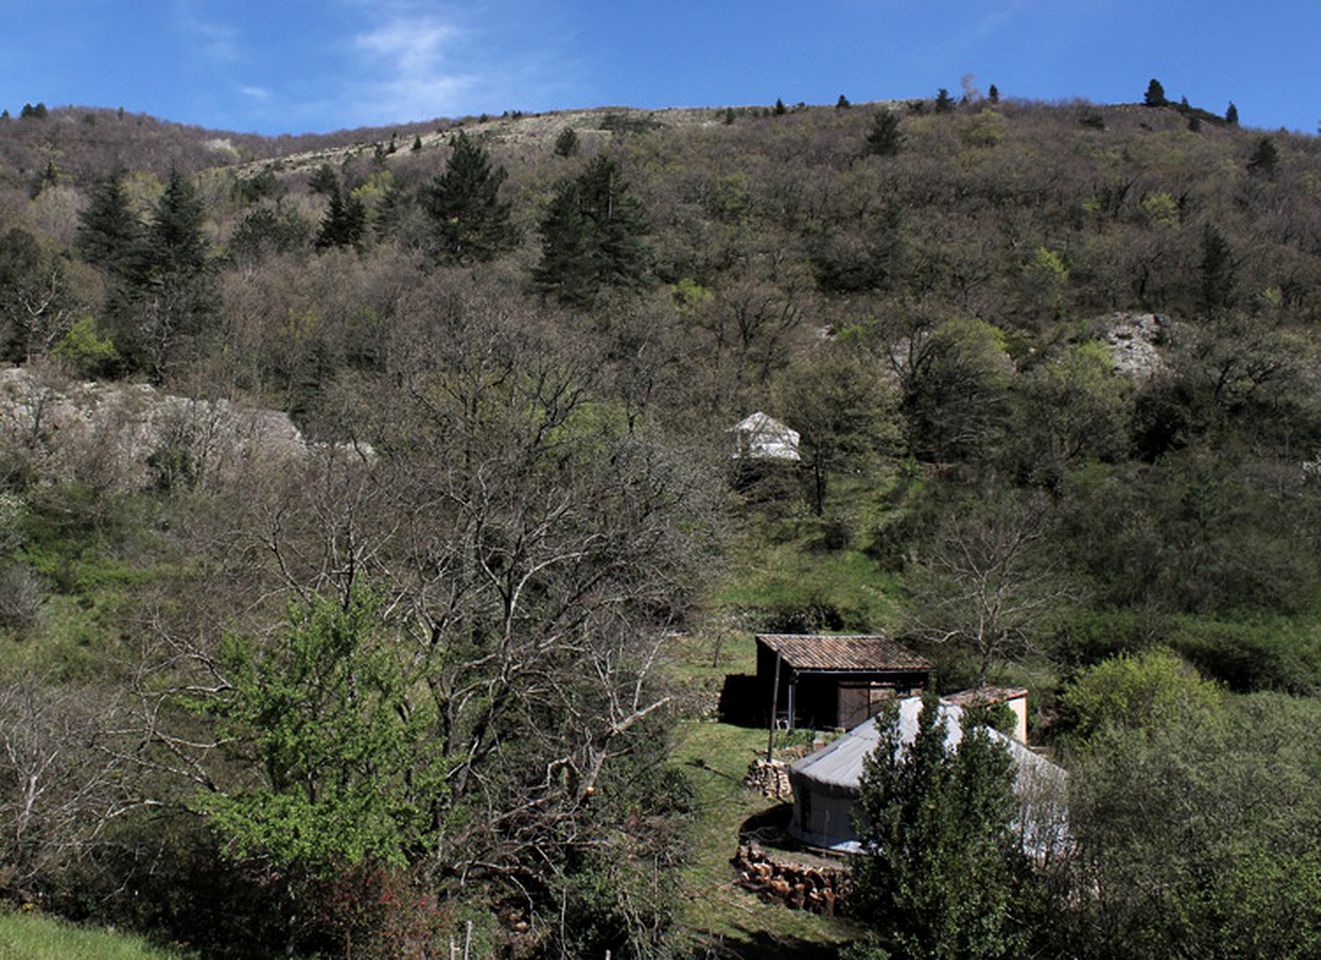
1134 340
131 436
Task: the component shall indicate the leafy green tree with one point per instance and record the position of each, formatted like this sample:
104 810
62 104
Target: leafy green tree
470 223
1144 691
941 859
1073 407
944 102
592 236
1155 95
884 139
956 377
348 769
566 144
846 414
1196 838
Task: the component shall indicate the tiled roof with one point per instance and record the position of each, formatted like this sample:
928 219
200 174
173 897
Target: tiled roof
848 652
981 696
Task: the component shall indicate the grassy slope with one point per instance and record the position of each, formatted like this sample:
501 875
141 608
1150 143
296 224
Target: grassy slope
34 937
730 920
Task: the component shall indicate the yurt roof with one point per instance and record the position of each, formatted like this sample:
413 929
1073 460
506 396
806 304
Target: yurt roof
838 767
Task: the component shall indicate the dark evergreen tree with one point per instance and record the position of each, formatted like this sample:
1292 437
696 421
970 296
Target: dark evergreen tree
108 231
885 139
323 180
1216 272
842 103
944 102
1265 158
780 109
592 236
1155 95
470 223
940 861
1194 123
566 144
730 116
266 231
417 144
1231 114
993 94
46 177
344 224
171 292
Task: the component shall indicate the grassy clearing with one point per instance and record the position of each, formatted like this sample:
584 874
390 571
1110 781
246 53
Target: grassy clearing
26 936
728 920
836 590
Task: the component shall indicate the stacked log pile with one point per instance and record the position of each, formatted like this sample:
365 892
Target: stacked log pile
770 778
796 885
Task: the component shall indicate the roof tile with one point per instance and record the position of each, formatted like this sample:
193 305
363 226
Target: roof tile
843 652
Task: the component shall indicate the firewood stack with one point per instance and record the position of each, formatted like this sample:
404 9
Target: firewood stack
796 885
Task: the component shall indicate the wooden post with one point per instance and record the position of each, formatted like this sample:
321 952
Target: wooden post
775 706
467 938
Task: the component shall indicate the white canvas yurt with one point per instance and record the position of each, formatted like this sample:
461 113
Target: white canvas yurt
826 783
760 437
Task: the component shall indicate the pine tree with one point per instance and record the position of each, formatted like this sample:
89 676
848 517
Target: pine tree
842 103
470 223
344 224
566 144
1216 272
993 94
592 236
944 102
417 144
941 860
1265 158
107 230
885 139
780 109
323 180
170 284
1155 95
1231 114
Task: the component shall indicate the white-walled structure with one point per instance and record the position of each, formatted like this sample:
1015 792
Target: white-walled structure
760 437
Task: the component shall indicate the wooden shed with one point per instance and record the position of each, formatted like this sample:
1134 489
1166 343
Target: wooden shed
830 681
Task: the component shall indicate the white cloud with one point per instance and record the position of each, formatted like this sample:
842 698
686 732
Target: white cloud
215 41
413 69
260 94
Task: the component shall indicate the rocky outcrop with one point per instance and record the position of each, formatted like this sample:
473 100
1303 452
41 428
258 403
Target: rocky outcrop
132 436
1134 340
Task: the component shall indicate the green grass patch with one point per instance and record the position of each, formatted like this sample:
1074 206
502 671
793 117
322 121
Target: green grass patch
31 936
785 587
723 917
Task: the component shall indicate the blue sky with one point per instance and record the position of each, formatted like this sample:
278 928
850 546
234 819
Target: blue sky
290 66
